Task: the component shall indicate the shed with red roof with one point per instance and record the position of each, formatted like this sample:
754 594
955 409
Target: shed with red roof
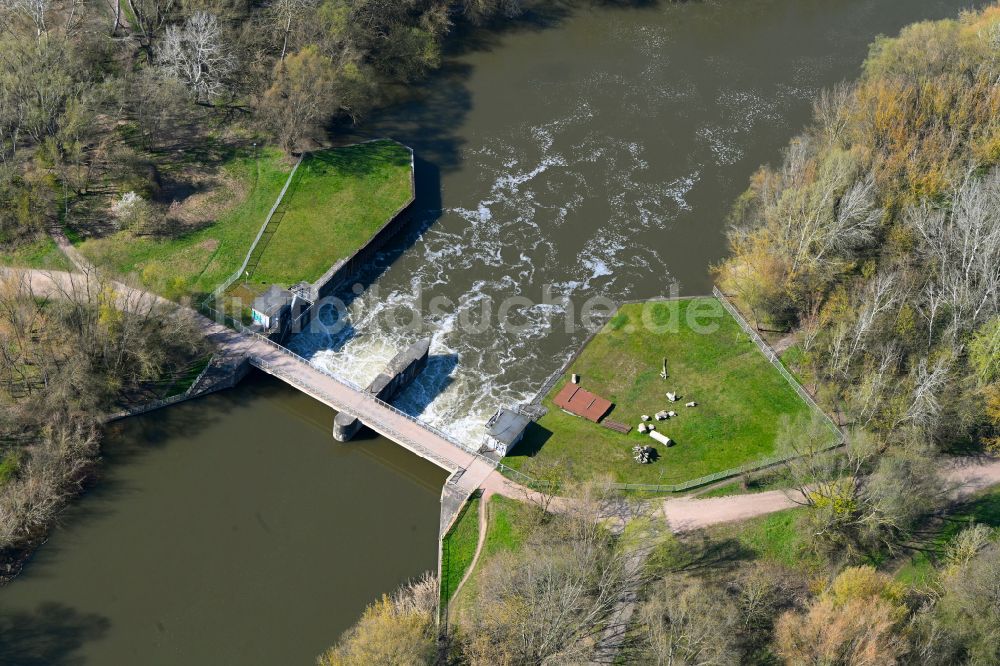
581 402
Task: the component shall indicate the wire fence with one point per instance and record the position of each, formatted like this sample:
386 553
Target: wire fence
228 282
753 466
162 402
772 356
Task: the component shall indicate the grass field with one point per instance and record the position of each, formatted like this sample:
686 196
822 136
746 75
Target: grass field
196 262
741 398
40 253
984 509
338 200
508 525
458 548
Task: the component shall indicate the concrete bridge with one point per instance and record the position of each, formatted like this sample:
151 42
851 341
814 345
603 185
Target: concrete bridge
467 470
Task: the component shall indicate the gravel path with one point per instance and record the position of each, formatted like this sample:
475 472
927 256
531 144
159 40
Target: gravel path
965 476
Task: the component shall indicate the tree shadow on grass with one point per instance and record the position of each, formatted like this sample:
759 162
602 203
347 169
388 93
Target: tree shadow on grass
360 160
699 552
51 635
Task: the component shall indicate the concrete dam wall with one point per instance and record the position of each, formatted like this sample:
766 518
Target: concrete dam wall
397 375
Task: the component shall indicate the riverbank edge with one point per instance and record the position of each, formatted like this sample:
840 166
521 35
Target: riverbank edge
226 375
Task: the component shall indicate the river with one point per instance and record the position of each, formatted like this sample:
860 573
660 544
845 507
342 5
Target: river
228 530
597 151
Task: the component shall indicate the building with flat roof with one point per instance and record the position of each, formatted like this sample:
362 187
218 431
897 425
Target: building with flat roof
504 430
270 307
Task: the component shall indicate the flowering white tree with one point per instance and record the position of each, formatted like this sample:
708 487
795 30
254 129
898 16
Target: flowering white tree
197 55
131 211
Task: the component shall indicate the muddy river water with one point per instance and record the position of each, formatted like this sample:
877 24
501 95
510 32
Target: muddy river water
581 154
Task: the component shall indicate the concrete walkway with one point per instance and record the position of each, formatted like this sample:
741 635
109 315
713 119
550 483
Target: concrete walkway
468 469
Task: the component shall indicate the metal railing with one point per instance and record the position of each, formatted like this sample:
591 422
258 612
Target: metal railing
295 380
772 356
221 289
362 394
162 402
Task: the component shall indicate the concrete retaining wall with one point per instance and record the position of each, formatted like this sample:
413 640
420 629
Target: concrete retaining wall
398 374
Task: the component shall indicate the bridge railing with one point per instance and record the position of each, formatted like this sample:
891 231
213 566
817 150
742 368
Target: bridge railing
361 393
391 432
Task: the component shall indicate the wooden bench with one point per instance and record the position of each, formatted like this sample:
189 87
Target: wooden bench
616 426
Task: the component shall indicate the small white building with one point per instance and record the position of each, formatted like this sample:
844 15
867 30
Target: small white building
271 307
504 430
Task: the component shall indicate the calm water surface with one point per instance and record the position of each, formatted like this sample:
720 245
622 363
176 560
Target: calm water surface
229 530
598 152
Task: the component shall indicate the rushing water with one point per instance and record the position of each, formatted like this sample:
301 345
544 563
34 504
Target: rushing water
230 530
596 152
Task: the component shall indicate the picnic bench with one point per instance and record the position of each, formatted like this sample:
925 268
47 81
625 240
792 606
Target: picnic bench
616 426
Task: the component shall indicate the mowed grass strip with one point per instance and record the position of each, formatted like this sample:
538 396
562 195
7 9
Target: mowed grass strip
741 398
197 261
509 524
458 548
338 200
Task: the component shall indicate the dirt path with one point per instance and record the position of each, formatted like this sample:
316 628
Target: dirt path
483 525
964 476
69 251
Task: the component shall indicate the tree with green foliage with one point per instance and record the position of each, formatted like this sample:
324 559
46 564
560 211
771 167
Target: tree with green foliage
303 92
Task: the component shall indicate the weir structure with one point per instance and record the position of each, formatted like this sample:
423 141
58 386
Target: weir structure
467 469
400 371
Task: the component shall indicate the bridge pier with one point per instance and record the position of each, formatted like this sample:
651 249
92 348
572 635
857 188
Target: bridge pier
398 374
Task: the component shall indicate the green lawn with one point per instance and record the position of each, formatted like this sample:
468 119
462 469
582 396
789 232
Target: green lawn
40 253
741 398
774 537
196 262
338 200
508 525
458 548
984 508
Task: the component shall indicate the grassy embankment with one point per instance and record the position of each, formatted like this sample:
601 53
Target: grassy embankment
41 253
338 198
508 525
741 398
195 258
458 548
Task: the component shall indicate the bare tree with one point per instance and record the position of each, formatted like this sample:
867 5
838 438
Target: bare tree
688 624
34 10
553 601
197 54
962 243
286 15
